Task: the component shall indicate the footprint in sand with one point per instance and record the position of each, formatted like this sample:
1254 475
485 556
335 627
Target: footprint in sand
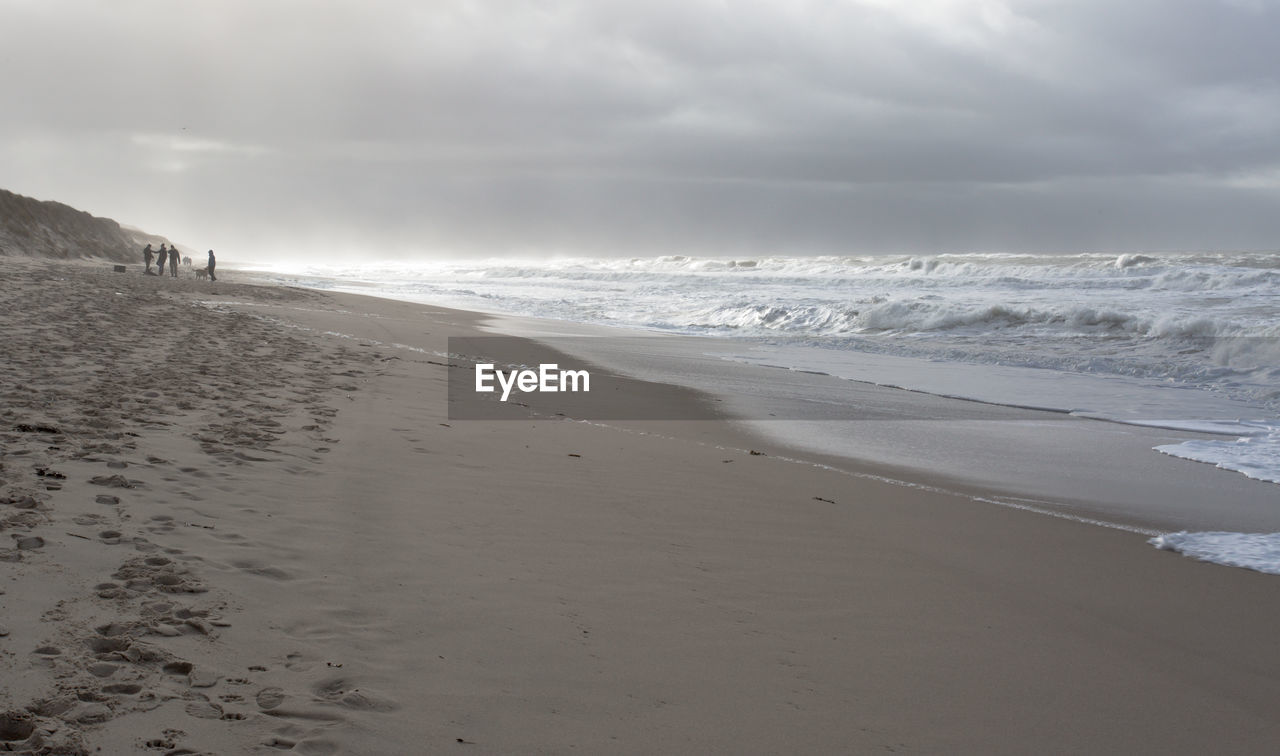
21 501
16 726
298 662
110 590
107 647
102 669
141 576
257 568
204 710
343 692
163 524
202 678
270 698
112 481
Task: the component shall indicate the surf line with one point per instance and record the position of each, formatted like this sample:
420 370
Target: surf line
548 378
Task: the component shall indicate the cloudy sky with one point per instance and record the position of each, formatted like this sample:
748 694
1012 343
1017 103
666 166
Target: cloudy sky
442 127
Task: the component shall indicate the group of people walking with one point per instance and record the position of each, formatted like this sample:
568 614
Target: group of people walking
171 254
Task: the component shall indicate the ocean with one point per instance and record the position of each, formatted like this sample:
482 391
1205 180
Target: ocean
1175 341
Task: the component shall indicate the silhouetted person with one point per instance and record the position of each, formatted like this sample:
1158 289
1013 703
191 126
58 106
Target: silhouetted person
173 262
212 261
146 256
164 253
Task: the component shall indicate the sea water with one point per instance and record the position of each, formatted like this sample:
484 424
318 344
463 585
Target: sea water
1188 341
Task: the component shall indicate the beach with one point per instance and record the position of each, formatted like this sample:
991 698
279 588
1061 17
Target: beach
239 518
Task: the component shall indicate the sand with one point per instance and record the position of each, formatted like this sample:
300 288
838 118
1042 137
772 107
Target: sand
238 519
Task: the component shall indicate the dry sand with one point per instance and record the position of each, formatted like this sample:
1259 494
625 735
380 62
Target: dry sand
238 519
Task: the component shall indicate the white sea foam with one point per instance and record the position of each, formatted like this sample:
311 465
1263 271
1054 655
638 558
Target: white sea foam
1254 551
1256 456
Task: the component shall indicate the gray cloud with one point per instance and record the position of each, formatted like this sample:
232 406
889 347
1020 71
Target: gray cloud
624 127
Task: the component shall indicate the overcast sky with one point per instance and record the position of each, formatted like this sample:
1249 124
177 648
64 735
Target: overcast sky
651 127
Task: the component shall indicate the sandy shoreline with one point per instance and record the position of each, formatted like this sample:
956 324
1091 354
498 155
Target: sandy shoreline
305 553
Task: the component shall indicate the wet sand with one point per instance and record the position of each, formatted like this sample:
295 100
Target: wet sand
290 546
1052 461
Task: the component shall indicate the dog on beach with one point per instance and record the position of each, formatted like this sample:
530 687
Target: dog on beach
202 274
